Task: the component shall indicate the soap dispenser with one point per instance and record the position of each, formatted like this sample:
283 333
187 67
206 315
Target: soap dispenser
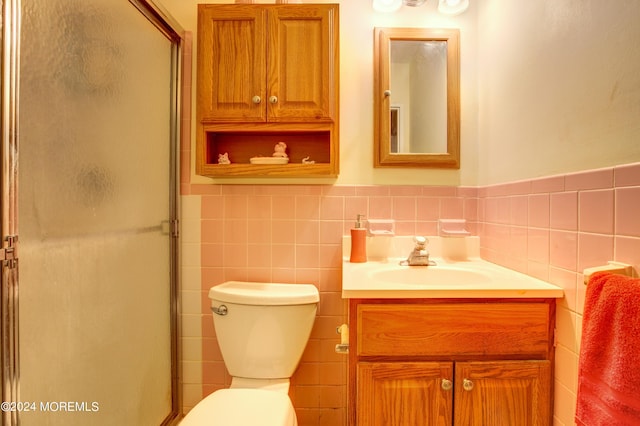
358 242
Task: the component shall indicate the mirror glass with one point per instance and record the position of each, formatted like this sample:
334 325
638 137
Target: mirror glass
417 93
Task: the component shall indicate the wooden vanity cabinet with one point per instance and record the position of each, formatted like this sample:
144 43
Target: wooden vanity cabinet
419 362
267 73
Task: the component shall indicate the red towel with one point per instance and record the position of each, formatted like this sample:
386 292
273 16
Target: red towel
609 366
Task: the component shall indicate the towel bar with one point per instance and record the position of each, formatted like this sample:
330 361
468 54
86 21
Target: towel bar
613 267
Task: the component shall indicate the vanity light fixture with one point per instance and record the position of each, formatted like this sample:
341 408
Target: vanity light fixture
452 7
446 7
386 5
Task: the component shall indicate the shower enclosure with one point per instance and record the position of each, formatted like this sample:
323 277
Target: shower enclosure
89 212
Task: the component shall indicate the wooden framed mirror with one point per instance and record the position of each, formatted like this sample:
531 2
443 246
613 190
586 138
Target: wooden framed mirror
417 97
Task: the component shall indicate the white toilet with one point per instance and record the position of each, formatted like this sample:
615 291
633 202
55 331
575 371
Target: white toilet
262 330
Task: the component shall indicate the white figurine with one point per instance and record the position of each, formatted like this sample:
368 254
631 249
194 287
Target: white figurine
280 150
224 158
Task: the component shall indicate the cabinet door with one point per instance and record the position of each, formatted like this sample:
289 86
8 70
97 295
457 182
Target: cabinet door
404 393
231 63
502 393
302 62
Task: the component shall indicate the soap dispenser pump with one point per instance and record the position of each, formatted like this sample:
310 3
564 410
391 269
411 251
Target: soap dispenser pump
358 242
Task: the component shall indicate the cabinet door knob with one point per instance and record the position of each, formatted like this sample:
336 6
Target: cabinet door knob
467 384
256 99
446 384
273 99
387 93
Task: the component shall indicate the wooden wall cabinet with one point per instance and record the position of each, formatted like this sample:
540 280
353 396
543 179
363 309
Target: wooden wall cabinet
441 363
267 73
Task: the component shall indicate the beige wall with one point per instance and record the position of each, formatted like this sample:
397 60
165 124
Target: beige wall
547 87
559 87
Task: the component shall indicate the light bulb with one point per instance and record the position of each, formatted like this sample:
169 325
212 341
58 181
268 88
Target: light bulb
452 7
387 5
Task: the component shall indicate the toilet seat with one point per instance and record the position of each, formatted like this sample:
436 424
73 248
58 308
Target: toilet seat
242 407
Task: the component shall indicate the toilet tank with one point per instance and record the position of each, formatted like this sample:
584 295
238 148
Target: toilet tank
264 328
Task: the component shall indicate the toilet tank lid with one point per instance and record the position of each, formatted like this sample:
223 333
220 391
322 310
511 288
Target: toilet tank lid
250 293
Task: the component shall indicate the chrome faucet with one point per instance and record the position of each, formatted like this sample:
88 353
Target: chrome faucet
419 256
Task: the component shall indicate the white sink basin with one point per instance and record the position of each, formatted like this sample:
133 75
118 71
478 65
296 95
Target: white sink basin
469 278
434 275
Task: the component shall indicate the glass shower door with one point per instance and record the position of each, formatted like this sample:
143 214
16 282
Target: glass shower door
96 214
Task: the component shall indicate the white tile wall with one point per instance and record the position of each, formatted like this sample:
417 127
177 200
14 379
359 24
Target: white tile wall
190 302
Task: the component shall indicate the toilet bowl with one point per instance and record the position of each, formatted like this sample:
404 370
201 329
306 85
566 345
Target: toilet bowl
243 407
262 330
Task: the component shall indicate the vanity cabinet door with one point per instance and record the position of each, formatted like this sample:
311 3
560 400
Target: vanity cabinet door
302 63
502 393
231 63
404 393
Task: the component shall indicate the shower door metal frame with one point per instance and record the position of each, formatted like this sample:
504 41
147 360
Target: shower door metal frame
9 71
8 202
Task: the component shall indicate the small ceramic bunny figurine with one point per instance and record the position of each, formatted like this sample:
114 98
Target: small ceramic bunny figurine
224 158
280 150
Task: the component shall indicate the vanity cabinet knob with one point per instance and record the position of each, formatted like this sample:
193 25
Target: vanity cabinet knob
256 99
467 384
273 99
446 384
387 93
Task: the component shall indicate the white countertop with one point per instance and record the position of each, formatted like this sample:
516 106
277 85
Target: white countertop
358 281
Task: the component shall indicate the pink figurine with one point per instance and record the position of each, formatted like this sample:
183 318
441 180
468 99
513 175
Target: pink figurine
224 158
280 150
